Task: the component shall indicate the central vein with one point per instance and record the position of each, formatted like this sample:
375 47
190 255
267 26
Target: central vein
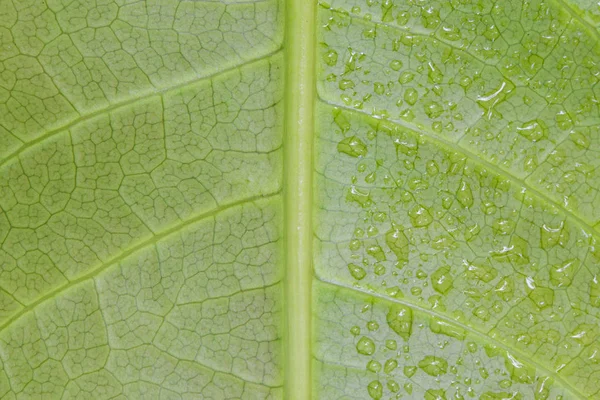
299 117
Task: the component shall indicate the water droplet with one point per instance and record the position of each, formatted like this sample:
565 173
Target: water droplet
375 390
406 77
542 390
391 344
374 366
533 131
564 121
340 120
444 328
484 272
411 96
542 297
386 11
330 57
379 269
435 394
503 226
365 346
399 319
355 330
432 168
551 236
352 146
533 64
434 366
472 347
595 292
582 141
398 243
489 101
346 84
517 252
396 65
585 334
505 288
420 216
563 274
369 33
464 194
362 197
357 271
450 33
376 252
434 74
409 371
390 365
393 386
441 280
519 372
433 109
372 325
483 313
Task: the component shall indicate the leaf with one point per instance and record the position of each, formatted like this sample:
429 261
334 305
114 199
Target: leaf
251 199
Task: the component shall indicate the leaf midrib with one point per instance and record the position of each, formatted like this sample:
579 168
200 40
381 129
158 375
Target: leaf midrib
300 97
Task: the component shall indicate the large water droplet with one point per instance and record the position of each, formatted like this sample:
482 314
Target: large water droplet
519 372
435 394
362 197
542 297
374 366
484 271
376 252
353 147
365 346
434 366
490 100
398 243
420 216
375 389
399 319
441 280
357 271
411 96
533 131
464 195
551 236
563 274
442 327
390 365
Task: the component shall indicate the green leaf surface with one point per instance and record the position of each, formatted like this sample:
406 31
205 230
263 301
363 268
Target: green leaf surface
352 199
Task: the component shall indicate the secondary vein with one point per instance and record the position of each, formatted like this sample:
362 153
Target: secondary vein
518 353
484 163
126 253
122 104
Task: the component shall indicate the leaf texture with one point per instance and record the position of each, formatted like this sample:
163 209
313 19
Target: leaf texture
156 189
